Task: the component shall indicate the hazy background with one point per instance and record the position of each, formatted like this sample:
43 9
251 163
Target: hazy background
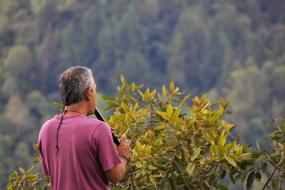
226 48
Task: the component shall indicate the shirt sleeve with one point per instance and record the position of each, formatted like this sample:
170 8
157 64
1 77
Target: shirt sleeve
107 153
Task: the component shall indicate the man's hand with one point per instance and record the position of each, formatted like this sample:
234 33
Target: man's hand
124 149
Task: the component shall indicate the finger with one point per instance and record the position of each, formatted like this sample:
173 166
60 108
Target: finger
128 142
123 139
124 142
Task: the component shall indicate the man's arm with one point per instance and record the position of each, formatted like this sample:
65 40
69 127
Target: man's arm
117 173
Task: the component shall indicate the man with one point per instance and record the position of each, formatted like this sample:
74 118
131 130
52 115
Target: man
78 153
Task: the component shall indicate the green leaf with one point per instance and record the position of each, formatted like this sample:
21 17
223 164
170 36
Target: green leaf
139 147
164 91
125 106
231 161
229 146
36 147
176 114
169 109
219 112
123 80
208 185
223 103
58 105
160 127
147 92
190 168
132 87
172 87
196 154
152 94
222 138
139 165
184 100
142 95
227 126
196 100
151 167
22 170
164 115
30 170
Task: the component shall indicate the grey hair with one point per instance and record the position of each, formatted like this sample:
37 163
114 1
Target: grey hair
73 82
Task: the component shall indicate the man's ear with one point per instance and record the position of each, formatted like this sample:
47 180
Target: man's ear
88 93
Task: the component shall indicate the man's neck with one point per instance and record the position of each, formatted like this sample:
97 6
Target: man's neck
76 108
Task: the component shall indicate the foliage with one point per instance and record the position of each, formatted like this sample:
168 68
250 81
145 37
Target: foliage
29 179
176 145
277 156
271 164
26 180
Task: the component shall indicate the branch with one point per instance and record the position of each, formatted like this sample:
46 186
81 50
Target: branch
269 179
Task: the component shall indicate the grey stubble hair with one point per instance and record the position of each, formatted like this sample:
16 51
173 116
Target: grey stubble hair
73 82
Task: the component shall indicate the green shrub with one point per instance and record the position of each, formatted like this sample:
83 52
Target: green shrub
176 144
27 180
270 166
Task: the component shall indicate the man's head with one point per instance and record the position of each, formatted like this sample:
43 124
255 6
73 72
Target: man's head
77 85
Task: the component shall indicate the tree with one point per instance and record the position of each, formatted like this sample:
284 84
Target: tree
18 67
248 92
193 62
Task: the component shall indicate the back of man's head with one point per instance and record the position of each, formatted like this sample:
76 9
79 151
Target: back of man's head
73 82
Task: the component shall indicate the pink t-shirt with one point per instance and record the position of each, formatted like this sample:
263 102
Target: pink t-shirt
86 151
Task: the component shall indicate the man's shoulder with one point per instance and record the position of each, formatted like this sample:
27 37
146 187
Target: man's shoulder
93 125
99 126
92 122
49 121
45 126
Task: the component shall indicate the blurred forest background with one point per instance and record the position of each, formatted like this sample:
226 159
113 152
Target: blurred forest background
224 48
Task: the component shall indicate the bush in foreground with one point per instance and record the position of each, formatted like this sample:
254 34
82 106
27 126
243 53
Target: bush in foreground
181 145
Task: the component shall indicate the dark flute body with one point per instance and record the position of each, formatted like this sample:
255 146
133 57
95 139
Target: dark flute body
99 117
